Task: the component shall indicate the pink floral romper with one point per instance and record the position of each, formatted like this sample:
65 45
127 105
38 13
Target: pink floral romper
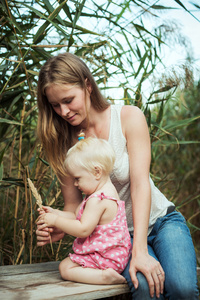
108 246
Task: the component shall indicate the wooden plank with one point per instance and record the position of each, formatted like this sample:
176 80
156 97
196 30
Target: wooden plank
27 268
43 281
29 279
64 290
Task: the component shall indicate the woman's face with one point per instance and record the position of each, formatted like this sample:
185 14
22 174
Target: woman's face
69 102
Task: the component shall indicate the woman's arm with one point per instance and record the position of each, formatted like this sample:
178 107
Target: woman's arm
72 198
136 132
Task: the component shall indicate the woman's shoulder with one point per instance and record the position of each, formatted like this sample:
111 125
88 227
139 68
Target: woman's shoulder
129 111
132 117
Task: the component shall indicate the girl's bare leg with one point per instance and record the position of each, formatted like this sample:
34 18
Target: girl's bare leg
74 272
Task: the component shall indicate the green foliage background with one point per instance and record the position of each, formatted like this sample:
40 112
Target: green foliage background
123 55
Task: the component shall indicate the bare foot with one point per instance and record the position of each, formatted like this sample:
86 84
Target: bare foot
110 276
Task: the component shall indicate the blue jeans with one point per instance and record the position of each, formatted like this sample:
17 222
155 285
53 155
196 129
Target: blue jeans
171 244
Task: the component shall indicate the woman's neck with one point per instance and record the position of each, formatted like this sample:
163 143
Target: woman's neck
98 124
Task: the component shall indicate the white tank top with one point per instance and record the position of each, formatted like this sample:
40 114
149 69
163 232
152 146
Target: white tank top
120 175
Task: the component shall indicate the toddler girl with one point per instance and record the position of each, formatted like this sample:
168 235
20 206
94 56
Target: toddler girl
102 248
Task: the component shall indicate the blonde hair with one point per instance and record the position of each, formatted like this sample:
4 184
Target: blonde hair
55 134
89 154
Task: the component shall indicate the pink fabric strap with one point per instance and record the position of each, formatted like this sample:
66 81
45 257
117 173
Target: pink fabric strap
102 196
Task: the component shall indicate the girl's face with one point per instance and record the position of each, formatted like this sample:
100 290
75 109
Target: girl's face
84 180
69 102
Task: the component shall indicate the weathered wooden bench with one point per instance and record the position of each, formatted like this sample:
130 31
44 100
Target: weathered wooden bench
42 281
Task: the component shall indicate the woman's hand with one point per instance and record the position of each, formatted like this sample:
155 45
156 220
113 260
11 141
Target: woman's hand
151 269
43 233
43 236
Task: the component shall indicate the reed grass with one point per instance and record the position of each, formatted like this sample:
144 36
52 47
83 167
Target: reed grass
35 193
39 203
26 44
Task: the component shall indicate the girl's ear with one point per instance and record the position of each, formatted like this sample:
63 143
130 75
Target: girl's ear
97 172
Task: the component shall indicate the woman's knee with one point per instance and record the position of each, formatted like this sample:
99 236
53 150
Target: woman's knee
142 292
143 287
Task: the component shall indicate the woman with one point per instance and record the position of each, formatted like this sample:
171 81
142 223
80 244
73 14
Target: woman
163 262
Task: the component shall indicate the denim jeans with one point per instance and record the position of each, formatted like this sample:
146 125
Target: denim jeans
171 244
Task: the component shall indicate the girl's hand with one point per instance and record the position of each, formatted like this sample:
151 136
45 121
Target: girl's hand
46 209
151 269
47 220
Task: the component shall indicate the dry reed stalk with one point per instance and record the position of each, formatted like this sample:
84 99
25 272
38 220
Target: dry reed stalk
19 170
58 249
22 247
39 203
31 219
35 193
54 199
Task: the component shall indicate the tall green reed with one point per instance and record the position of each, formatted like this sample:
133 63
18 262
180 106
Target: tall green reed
122 55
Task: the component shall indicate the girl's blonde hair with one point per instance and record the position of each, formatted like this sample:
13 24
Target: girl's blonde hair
55 134
89 154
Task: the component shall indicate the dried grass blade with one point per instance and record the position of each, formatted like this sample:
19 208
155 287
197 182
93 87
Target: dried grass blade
35 193
39 203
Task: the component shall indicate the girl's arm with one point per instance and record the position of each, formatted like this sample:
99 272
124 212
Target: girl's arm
48 209
83 228
136 132
72 198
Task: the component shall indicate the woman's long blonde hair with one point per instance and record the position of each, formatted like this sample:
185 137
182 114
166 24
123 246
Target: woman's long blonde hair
56 134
